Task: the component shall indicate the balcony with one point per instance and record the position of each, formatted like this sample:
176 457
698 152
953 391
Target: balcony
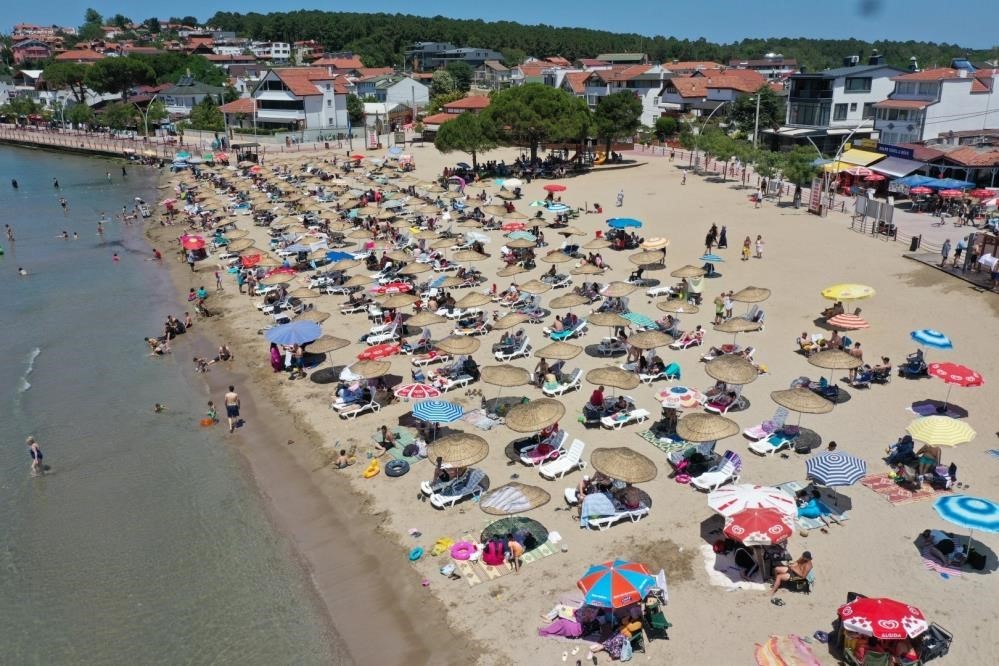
280 115
810 94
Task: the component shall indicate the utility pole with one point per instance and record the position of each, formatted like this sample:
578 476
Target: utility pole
756 124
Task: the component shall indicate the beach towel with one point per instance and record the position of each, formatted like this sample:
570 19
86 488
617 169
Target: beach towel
479 419
595 506
885 486
785 651
803 523
944 571
724 572
664 445
993 452
508 500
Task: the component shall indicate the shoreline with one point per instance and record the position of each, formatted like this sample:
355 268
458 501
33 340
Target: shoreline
391 619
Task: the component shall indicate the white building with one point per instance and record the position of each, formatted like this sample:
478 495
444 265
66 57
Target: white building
278 52
645 81
927 104
828 106
294 99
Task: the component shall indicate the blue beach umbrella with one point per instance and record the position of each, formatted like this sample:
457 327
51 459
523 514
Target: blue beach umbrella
463 165
927 337
522 235
638 319
538 204
438 411
974 513
623 223
334 255
711 258
616 584
395 150
295 333
182 155
835 469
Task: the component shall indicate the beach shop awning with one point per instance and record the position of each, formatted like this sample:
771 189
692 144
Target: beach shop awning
896 167
858 157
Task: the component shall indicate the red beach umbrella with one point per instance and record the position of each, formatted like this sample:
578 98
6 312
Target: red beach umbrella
513 226
874 178
417 392
250 261
882 618
554 187
357 157
393 288
859 171
379 351
193 242
280 271
950 194
759 527
982 193
919 189
956 374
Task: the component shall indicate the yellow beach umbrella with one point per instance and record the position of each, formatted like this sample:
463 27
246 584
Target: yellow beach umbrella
940 431
847 292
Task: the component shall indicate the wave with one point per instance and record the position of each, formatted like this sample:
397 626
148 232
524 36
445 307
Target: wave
23 384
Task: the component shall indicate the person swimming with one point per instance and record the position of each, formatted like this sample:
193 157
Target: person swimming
21 271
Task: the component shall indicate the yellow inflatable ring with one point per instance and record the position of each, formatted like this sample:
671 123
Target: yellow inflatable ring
372 470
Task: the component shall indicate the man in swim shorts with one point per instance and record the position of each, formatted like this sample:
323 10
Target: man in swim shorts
232 407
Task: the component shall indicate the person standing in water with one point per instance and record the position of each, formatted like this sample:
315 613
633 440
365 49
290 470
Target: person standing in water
37 467
100 228
232 407
13 183
10 233
55 183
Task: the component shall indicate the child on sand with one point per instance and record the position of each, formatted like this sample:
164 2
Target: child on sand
746 244
212 413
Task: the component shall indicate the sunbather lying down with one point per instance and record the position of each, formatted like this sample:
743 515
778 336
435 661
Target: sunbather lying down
810 505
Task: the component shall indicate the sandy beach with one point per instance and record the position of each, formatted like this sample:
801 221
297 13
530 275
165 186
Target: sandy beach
353 533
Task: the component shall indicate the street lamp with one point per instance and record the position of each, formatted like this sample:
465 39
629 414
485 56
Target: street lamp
827 181
756 123
703 123
145 114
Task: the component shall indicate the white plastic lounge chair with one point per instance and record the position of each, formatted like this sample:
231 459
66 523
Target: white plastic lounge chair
771 444
529 455
561 282
428 488
603 522
522 349
458 313
385 335
472 487
694 340
569 333
480 328
618 421
461 381
572 460
661 290
355 410
611 346
767 428
569 385
706 449
727 471
347 308
645 378
431 357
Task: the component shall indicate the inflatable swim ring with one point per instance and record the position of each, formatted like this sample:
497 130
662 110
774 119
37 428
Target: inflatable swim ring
206 422
682 478
415 554
462 550
440 546
396 468
372 469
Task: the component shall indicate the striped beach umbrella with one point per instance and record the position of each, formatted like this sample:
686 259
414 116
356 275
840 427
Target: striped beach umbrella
973 513
848 322
616 584
711 258
835 468
939 430
558 208
417 392
438 411
927 337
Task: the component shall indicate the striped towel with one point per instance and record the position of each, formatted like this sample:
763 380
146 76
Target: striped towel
945 572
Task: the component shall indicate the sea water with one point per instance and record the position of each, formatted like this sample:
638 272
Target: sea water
145 543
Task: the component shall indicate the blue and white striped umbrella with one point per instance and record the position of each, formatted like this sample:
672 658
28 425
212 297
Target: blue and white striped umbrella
927 337
974 513
712 258
438 411
834 468
558 208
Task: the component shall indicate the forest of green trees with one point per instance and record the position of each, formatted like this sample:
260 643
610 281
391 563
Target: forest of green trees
381 39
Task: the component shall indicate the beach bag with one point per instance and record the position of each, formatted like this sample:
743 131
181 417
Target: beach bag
411 451
976 560
626 651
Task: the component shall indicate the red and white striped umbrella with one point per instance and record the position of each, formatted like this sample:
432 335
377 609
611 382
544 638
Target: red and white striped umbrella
393 288
379 351
950 194
848 322
417 392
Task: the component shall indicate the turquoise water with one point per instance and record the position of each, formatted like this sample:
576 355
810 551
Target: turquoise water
146 543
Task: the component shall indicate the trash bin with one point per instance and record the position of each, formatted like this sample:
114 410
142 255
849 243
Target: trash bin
327 144
914 244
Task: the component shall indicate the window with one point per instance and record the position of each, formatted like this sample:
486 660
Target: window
927 89
905 88
868 111
839 113
857 84
853 107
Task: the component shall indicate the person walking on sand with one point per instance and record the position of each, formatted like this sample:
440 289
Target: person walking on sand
759 246
723 238
232 407
683 181
218 281
620 198
37 467
945 253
